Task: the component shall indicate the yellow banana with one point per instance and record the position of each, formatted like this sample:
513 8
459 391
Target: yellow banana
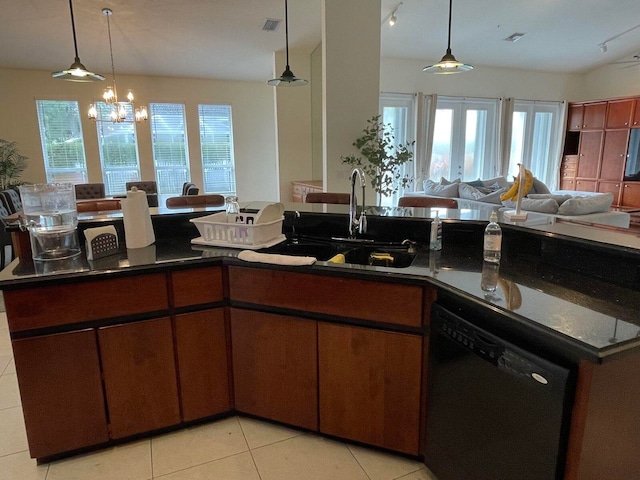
512 193
512 293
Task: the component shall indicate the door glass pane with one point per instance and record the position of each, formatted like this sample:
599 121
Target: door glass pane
397 117
442 143
475 144
516 154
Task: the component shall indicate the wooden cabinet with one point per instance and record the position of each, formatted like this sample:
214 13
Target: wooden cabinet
201 351
139 376
586 185
631 194
568 184
300 188
574 117
594 116
369 384
61 390
611 187
619 113
589 156
275 367
568 171
197 286
614 154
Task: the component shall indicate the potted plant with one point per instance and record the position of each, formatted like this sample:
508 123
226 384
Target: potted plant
383 159
12 164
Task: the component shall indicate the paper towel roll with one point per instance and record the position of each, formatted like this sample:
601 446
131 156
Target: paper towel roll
138 230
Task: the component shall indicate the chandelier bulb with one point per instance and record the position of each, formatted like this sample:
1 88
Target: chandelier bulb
93 112
130 96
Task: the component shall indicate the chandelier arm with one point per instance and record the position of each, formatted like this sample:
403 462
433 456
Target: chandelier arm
113 70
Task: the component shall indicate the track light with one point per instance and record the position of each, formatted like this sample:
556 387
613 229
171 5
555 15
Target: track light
391 18
603 47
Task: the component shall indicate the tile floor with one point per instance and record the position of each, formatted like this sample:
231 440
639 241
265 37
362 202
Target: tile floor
234 448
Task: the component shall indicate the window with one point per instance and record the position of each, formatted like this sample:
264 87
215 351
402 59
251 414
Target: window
399 111
464 139
62 141
169 143
534 138
118 147
216 144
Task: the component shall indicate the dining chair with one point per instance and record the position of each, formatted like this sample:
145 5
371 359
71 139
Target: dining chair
427 202
327 197
86 191
189 188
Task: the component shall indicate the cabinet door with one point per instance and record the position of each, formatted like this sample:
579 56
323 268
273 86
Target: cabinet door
275 372
201 348
631 194
636 114
61 390
574 121
139 376
370 386
594 116
619 113
614 155
611 187
589 157
568 184
586 185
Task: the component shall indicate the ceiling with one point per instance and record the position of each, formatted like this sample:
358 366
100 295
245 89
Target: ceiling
224 38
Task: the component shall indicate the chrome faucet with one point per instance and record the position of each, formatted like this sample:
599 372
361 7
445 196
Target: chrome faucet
357 224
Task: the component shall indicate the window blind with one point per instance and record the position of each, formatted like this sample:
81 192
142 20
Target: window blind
169 144
62 141
118 145
216 144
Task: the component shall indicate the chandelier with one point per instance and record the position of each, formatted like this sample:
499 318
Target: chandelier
118 112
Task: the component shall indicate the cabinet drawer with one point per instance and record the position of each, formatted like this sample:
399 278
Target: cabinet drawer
346 297
63 304
197 286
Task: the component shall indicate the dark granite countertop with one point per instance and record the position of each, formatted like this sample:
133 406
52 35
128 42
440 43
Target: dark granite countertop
588 317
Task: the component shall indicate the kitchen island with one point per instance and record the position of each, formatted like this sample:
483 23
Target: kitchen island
162 337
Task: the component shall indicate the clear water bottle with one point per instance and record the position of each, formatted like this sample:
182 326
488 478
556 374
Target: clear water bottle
435 240
232 208
492 239
490 275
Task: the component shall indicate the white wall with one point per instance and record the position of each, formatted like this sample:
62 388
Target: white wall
406 76
252 105
611 81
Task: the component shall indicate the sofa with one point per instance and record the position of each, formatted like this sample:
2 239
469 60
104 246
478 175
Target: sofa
569 205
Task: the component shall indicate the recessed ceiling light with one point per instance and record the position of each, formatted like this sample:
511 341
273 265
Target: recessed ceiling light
514 37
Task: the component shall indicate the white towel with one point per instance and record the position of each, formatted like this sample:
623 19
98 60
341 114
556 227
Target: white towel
251 256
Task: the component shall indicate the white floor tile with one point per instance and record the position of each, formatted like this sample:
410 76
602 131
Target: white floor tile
197 445
307 457
5 339
6 357
3 320
424 474
259 434
235 467
20 466
384 466
14 437
9 392
131 461
11 367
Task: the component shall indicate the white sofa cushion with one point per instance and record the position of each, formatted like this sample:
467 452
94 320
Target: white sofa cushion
487 195
438 190
585 205
558 198
540 205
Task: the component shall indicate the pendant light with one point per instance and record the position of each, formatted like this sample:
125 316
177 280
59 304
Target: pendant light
77 72
118 111
448 64
287 79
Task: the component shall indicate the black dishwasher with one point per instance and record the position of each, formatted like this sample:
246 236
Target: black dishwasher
494 410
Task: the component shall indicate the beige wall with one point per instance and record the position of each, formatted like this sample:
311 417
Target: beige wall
252 105
611 81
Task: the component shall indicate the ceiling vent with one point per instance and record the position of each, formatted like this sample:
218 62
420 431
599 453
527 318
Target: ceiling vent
514 37
271 24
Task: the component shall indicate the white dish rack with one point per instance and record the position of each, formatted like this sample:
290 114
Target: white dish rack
244 233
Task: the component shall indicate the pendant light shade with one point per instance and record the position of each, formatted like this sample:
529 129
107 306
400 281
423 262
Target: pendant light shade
287 79
448 64
77 72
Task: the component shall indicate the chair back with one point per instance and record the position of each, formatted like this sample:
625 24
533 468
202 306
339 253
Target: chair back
98 205
211 200
11 200
190 189
148 186
86 191
326 197
428 202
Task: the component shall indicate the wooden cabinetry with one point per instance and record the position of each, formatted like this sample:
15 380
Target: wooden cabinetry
61 390
201 350
589 116
197 286
370 386
275 367
611 187
631 194
300 188
589 155
139 376
614 154
635 122
568 171
619 113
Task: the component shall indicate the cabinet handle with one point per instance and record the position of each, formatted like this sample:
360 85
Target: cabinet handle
626 123
617 185
626 186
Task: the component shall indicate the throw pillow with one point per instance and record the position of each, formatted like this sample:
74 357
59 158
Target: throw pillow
480 194
476 183
539 187
499 180
444 181
542 205
585 205
438 190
